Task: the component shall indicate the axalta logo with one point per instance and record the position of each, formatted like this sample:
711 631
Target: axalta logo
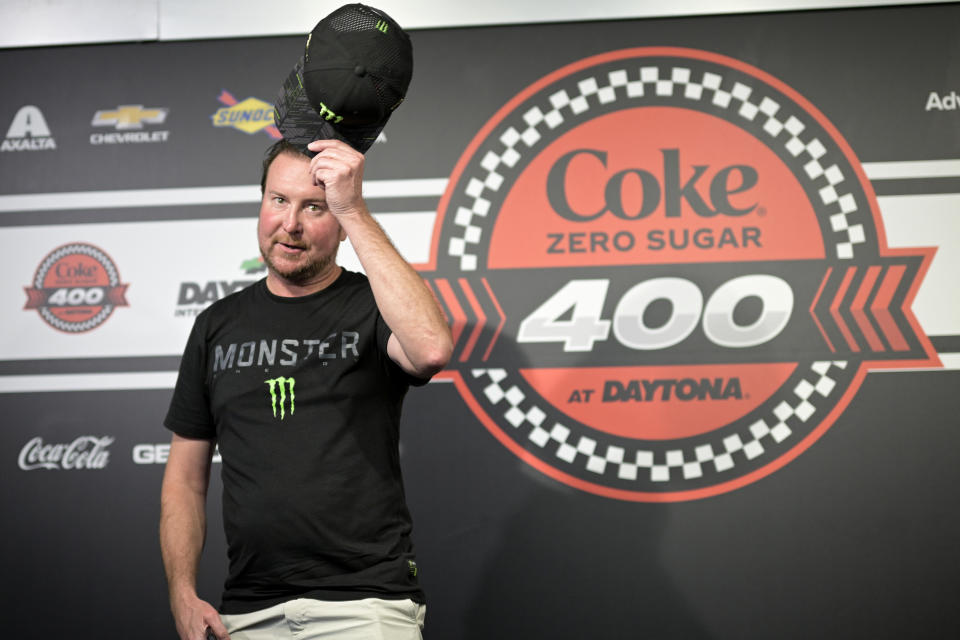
249 115
28 132
85 452
128 120
667 275
194 296
76 288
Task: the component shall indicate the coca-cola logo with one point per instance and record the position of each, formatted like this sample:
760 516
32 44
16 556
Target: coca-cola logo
667 275
85 452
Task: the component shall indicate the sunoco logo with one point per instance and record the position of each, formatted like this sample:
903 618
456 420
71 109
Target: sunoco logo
667 275
76 288
249 115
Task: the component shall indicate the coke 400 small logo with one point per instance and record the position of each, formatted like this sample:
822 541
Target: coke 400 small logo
667 275
75 288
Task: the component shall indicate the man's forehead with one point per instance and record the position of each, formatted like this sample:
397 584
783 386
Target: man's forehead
291 170
288 158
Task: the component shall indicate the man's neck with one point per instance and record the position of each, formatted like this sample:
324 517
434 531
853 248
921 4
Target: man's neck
284 288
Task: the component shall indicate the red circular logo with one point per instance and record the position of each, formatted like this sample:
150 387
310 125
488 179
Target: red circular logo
666 275
76 288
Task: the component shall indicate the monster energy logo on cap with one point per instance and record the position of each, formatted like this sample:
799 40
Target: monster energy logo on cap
281 385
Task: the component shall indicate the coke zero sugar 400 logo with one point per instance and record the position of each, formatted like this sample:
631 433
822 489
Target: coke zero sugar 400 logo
667 275
76 288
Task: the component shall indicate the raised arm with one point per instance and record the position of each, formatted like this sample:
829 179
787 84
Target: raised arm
421 342
183 498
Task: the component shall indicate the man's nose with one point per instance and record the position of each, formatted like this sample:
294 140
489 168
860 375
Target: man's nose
291 220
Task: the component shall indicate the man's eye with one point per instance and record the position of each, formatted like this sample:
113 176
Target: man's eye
279 200
315 208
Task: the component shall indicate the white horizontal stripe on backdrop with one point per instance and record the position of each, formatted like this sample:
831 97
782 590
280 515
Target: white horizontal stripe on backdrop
155 259
193 196
912 169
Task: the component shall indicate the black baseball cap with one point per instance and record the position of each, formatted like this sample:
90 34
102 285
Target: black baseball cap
354 72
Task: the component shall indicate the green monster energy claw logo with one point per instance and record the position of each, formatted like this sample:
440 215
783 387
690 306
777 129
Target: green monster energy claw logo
325 113
382 26
281 384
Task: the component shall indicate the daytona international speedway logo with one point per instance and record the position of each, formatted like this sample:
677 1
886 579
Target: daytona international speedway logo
75 288
666 275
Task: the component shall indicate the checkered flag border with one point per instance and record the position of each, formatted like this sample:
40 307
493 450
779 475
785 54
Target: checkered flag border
831 182
578 452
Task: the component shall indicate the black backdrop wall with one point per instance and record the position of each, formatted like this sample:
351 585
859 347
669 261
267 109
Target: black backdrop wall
813 498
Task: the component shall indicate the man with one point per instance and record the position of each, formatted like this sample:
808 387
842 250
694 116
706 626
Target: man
299 378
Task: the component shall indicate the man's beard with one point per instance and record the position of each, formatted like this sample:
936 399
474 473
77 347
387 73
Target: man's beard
301 274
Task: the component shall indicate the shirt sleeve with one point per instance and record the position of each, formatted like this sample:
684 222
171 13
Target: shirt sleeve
189 413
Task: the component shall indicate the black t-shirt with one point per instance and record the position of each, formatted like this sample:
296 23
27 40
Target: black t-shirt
304 403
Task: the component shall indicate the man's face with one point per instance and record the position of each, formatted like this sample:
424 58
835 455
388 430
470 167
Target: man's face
298 235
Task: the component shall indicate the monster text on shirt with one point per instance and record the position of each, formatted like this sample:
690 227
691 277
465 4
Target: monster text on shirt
264 352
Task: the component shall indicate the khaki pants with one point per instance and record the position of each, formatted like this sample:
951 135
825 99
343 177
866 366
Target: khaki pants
305 619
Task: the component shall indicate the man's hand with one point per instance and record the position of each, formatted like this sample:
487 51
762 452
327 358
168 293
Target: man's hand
421 343
338 168
194 616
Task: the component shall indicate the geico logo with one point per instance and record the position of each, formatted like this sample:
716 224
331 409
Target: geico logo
195 293
666 188
583 302
158 454
151 453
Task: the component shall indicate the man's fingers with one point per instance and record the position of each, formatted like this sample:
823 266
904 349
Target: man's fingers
338 168
334 149
333 165
318 145
215 629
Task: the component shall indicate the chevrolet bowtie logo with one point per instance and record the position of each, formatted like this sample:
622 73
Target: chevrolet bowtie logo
129 116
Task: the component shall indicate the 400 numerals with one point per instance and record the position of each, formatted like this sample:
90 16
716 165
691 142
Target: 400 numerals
572 315
76 297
